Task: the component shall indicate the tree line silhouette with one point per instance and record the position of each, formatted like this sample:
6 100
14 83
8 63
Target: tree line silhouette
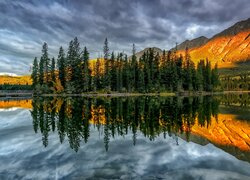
152 72
73 118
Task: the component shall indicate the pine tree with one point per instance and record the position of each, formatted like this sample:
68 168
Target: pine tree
69 68
46 62
61 64
35 75
86 71
41 72
215 77
207 76
126 76
53 71
199 77
119 72
133 68
187 73
97 76
107 78
113 76
141 83
77 74
156 72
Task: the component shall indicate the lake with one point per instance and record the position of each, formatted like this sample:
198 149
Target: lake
205 137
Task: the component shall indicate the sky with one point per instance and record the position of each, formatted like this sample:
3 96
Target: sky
26 24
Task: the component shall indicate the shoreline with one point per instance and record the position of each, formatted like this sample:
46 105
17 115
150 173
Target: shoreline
116 94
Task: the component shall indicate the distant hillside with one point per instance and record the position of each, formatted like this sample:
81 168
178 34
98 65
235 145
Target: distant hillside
156 50
17 80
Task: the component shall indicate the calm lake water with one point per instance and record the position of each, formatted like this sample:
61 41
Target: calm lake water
126 138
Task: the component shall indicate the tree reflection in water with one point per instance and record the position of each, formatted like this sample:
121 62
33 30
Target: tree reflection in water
151 116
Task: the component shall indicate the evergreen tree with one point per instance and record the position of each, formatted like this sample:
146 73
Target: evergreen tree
86 71
76 60
113 74
46 62
126 76
187 74
53 71
107 78
215 77
133 68
35 75
69 68
61 64
156 72
119 84
199 77
207 76
98 84
41 72
141 83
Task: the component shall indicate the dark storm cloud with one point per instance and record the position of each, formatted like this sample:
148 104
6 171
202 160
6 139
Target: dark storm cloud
25 25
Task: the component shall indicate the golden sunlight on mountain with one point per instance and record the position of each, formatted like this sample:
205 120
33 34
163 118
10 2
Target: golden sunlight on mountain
227 131
224 50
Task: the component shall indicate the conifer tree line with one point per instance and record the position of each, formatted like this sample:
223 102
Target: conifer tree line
116 72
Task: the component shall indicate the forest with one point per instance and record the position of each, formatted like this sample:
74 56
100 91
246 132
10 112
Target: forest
71 72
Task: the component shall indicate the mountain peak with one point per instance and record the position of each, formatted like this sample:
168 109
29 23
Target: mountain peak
235 29
156 50
197 42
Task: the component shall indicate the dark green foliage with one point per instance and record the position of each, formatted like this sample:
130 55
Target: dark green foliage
107 75
61 64
150 116
53 68
35 73
15 87
86 78
151 73
46 62
113 73
97 82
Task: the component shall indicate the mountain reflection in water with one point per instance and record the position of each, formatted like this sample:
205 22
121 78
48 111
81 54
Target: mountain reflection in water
125 138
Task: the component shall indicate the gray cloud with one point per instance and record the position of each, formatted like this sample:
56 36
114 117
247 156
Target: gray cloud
25 25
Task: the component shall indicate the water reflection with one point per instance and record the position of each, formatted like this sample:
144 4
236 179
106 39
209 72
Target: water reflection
116 116
103 130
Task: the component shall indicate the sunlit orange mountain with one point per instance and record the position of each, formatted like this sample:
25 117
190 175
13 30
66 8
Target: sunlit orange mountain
225 48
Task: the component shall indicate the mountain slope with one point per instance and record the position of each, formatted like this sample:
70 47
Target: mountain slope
226 48
197 42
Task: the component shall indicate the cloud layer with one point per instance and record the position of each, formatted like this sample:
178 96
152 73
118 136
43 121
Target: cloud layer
25 25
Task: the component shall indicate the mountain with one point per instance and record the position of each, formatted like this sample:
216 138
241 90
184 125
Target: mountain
235 29
227 48
197 42
140 53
